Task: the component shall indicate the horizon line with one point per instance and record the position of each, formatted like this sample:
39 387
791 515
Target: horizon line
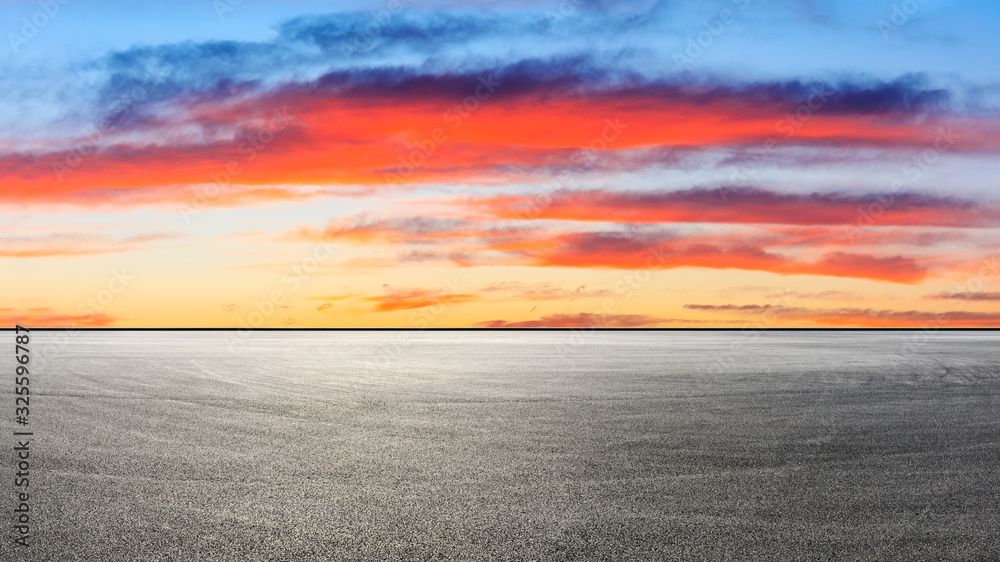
511 329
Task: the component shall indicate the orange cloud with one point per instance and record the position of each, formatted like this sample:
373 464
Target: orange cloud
48 318
415 298
60 245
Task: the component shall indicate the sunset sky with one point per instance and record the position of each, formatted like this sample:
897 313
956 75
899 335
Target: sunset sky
730 163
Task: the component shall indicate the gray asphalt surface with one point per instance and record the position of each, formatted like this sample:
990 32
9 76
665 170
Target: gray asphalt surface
512 446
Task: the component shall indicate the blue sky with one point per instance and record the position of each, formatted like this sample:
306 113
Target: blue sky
539 151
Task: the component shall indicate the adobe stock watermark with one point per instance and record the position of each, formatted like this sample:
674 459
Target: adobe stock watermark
32 25
364 39
422 318
91 308
900 16
788 126
714 28
611 132
456 116
624 289
254 144
565 9
291 282
915 342
76 156
987 271
760 324
96 304
223 7
912 171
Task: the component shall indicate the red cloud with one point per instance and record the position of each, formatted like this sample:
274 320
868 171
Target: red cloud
343 140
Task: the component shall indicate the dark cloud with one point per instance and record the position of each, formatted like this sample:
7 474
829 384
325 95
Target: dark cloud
737 308
657 250
852 316
411 230
748 205
968 296
355 33
349 53
640 248
580 320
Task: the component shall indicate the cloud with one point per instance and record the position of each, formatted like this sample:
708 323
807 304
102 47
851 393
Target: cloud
468 242
370 88
390 125
819 295
408 229
850 316
631 250
582 319
197 197
43 317
515 290
741 205
403 299
371 35
967 296
383 51
735 307
427 238
71 245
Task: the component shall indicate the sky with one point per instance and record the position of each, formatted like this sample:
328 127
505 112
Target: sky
412 163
